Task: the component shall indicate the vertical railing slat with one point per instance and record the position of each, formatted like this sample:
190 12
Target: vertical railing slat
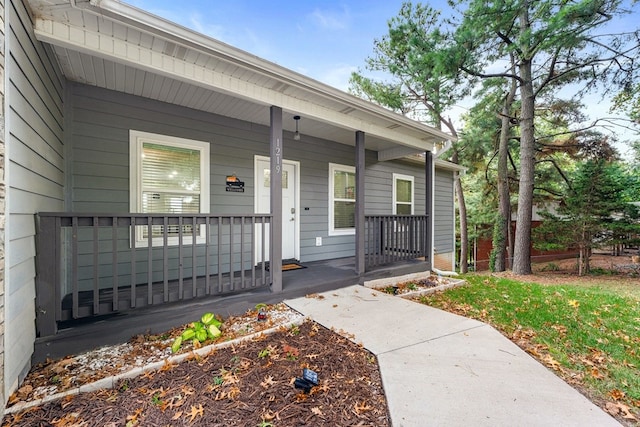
96 277
132 296
194 275
231 275
242 284
149 260
165 259
180 262
74 266
253 251
207 254
219 232
114 250
263 262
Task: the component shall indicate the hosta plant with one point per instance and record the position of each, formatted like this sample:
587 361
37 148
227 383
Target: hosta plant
207 328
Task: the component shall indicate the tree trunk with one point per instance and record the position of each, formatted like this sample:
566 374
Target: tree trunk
522 249
504 196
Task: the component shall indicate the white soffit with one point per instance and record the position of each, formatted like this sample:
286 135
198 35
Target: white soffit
125 49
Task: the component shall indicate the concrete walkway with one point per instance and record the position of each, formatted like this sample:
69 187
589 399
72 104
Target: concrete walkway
440 369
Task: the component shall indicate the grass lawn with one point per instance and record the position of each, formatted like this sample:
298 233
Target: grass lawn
589 335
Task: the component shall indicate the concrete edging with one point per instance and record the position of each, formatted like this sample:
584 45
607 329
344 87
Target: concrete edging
389 281
111 381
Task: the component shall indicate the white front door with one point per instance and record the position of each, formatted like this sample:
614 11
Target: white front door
290 205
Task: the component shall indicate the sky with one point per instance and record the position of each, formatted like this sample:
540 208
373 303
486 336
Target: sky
323 39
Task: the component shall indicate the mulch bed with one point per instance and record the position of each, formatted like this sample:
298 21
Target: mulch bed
251 384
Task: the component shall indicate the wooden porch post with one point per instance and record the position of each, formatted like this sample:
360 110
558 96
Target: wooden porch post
48 278
428 207
275 247
359 220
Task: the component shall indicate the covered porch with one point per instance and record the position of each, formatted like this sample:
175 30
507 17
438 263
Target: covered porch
99 256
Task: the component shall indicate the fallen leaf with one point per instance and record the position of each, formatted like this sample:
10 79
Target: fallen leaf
177 415
616 394
290 351
268 382
317 411
595 373
361 407
166 366
188 390
551 362
573 303
69 420
195 411
620 409
268 415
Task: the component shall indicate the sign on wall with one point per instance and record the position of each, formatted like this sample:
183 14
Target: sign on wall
234 185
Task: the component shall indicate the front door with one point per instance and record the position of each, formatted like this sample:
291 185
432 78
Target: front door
290 205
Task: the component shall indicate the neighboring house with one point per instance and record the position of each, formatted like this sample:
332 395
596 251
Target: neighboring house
139 153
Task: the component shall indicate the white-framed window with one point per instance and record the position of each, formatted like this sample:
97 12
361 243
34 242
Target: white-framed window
403 194
168 175
342 199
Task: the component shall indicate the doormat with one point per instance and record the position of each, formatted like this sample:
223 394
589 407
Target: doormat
289 266
292 266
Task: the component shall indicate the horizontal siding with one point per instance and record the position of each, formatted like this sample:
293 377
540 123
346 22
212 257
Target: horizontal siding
21 226
35 177
443 215
100 173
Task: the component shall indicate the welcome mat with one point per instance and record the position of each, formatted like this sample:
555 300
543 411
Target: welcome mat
288 265
292 266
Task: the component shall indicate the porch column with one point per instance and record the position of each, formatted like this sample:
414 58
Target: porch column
275 246
428 207
359 220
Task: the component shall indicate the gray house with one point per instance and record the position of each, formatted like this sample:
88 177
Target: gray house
145 163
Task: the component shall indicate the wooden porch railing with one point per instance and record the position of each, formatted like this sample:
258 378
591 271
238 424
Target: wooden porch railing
97 264
392 238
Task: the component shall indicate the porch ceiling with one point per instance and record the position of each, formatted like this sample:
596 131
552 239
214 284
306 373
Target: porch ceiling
112 45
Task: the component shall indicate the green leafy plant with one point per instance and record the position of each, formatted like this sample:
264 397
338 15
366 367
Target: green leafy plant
156 400
294 330
207 328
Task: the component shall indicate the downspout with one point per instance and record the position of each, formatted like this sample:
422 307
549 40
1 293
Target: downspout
428 201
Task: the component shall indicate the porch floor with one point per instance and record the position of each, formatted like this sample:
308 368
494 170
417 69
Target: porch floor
318 276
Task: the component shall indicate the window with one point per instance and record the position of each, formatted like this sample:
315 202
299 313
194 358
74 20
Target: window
402 194
170 176
342 199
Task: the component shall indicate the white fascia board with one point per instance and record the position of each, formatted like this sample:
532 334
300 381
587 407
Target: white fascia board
443 164
109 48
397 153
